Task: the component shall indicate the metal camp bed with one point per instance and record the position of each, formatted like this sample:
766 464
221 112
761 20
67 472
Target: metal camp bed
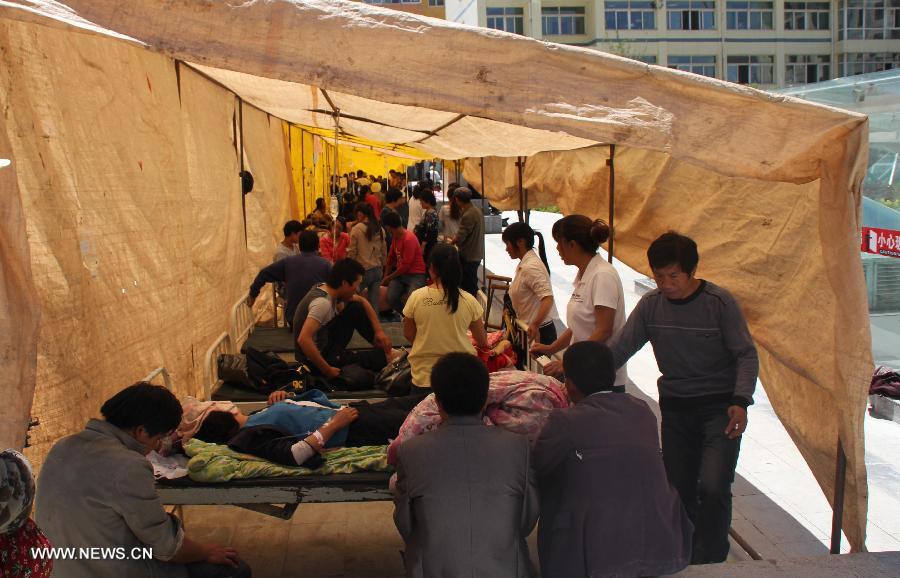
278 497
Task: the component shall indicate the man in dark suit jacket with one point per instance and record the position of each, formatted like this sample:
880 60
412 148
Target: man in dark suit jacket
607 508
465 501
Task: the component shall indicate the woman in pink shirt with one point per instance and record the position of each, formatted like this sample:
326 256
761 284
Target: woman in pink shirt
333 246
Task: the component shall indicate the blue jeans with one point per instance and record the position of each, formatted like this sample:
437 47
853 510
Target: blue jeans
371 282
700 461
400 288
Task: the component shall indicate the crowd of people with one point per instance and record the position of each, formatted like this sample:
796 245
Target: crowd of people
611 499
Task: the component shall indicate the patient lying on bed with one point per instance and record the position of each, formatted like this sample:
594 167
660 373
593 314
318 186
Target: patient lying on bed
295 430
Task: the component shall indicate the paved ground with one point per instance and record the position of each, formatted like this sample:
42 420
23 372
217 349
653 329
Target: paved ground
779 508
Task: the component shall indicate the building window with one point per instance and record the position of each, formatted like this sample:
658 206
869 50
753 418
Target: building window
756 70
691 15
806 68
866 62
435 2
807 16
649 59
630 15
507 19
749 15
869 19
563 20
705 65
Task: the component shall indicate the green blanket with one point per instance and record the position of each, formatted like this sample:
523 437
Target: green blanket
217 463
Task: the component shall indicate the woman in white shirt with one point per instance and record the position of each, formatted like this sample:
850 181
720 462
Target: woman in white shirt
596 310
530 291
436 318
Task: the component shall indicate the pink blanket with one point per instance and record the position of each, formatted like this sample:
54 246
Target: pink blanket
518 401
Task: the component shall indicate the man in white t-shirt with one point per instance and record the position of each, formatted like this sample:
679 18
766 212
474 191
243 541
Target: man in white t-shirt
290 245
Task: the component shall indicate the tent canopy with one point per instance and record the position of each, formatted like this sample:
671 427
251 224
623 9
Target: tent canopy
769 186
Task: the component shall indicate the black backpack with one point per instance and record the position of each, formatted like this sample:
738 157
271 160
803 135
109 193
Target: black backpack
269 372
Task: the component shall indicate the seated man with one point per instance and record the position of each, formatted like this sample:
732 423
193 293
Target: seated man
294 430
323 326
607 507
298 273
96 489
289 246
465 501
405 263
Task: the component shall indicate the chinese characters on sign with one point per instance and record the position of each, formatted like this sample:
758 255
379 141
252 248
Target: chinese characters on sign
881 242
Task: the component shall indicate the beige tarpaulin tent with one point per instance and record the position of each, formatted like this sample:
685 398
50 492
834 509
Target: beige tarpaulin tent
122 222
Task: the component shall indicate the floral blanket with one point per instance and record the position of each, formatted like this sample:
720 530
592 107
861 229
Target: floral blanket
518 401
219 463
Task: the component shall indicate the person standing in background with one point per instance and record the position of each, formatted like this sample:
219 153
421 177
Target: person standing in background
368 247
469 238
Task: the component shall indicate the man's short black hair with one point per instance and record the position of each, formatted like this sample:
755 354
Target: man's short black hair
218 427
590 366
460 383
309 241
673 249
392 195
392 220
348 270
143 404
292 227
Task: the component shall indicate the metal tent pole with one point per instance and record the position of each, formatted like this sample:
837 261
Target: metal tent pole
520 164
337 156
612 199
303 171
483 244
840 482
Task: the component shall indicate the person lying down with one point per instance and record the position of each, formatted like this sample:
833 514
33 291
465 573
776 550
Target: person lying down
295 430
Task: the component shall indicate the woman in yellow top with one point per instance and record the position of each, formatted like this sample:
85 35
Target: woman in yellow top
436 317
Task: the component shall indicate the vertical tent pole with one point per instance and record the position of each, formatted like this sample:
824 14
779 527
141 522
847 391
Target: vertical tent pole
303 170
483 249
612 199
840 480
519 166
334 172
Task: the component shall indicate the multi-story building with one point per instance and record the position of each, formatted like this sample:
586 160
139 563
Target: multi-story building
433 8
768 44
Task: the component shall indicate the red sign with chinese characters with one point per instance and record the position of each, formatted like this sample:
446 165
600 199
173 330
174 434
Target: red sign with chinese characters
881 242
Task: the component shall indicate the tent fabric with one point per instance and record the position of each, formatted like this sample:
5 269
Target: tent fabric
769 185
128 180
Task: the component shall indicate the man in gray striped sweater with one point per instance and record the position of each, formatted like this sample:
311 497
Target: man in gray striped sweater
709 368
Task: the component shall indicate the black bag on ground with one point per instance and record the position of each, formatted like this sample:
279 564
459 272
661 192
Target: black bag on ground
232 370
396 377
268 372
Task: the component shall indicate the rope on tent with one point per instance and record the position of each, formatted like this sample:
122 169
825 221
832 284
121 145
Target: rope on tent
240 146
